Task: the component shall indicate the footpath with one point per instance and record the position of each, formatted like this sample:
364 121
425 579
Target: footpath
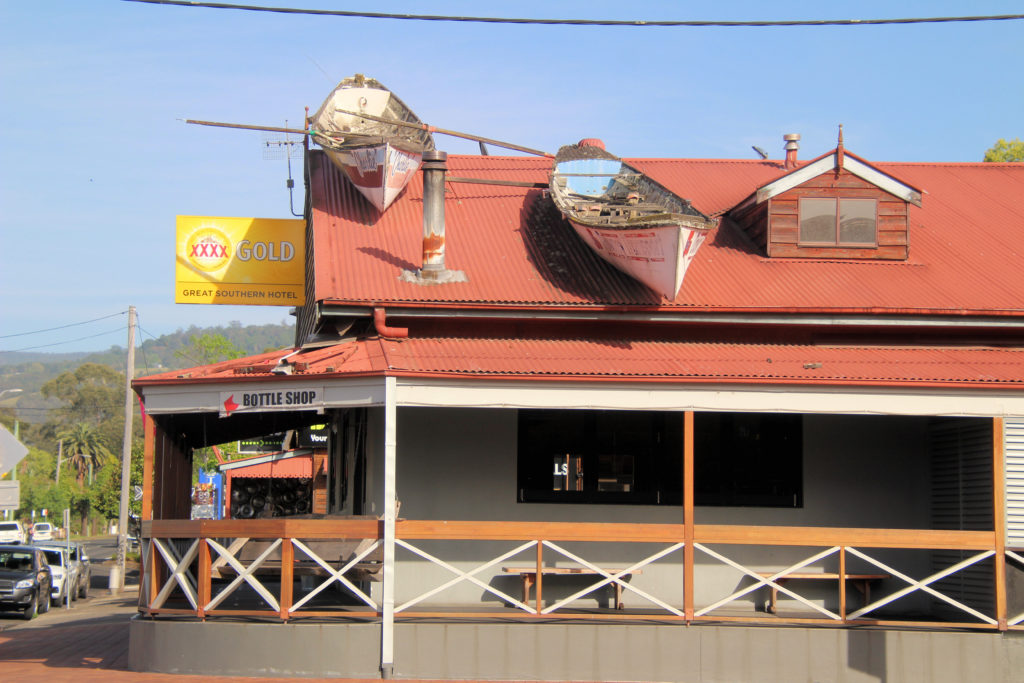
86 643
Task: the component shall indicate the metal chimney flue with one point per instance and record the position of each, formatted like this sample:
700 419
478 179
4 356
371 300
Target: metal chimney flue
435 165
792 145
433 270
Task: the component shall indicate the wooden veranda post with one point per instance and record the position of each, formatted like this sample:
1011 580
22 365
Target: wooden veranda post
287 577
148 460
688 532
999 517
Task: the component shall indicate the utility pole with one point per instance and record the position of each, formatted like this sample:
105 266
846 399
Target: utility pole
60 455
117 576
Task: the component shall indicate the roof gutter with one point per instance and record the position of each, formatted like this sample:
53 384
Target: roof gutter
923 321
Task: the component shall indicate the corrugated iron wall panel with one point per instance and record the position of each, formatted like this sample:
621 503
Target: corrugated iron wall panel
1013 449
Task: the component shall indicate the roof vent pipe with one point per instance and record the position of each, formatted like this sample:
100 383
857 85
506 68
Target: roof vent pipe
433 270
792 145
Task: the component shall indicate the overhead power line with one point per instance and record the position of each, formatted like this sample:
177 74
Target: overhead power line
62 327
69 341
582 22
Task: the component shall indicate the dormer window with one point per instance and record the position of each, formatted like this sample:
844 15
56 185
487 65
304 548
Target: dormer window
837 206
838 221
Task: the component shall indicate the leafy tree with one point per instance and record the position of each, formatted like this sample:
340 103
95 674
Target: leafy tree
92 394
1006 151
207 348
87 448
38 490
106 494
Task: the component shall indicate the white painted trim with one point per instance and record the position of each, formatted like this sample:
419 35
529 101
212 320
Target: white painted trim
712 397
476 393
797 177
390 498
879 179
825 164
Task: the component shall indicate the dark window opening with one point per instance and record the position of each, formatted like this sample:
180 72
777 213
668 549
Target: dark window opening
635 457
599 456
831 221
748 459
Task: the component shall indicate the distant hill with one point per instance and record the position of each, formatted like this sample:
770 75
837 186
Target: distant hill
29 371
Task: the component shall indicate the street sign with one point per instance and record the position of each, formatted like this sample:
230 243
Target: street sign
11 451
10 495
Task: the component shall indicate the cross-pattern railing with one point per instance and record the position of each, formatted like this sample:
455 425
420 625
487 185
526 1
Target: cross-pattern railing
1016 622
198 567
550 556
212 568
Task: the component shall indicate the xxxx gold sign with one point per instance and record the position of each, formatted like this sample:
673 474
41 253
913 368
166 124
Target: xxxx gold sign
255 261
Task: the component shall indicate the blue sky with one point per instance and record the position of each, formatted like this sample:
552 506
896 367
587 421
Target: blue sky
96 161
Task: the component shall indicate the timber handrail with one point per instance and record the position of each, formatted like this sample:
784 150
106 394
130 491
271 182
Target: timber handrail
618 532
170 567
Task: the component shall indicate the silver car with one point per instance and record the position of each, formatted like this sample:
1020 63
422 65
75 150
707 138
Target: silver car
79 565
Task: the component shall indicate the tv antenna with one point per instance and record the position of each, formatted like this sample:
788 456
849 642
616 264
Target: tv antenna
277 146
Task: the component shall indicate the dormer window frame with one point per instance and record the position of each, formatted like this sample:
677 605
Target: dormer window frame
838 241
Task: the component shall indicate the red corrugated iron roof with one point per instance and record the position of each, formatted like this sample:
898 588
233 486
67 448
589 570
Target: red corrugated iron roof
965 255
295 464
589 359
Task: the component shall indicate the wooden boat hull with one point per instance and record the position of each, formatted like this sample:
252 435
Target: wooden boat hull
627 219
378 158
378 172
656 256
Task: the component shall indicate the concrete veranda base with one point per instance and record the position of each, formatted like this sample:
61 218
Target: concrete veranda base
593 652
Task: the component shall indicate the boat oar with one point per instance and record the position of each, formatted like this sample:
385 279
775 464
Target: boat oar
272 129
421 126
445 131
493 181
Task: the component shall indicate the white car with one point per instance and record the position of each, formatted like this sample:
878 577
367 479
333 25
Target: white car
57 558
11 533
42 531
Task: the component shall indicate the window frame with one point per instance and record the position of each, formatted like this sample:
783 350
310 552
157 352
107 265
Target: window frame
657 474
837 201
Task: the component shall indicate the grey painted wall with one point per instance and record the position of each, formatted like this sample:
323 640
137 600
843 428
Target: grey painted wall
460 464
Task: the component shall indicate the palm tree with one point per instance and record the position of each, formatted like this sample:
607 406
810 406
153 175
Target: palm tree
87 447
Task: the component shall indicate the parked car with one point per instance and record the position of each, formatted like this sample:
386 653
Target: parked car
60 570
80 566
25 580
42 531
12 532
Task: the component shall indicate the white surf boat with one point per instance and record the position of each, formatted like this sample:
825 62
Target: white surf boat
630 221
379 158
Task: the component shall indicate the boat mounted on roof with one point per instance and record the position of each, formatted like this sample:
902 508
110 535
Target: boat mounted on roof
379 158
630 221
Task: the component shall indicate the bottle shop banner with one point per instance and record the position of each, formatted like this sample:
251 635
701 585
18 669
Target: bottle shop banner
254 261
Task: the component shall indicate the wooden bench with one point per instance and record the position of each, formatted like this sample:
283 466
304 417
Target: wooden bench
861 582
529 578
